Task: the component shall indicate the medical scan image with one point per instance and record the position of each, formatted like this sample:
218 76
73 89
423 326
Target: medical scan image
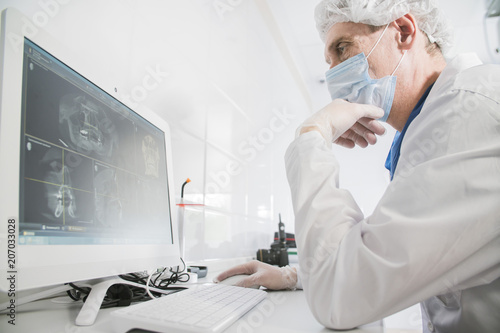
85 127
115 202
109 207
58 194
151 156
60 197
89 164
51 183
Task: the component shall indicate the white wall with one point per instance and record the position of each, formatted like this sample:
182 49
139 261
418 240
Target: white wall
472 31
213 71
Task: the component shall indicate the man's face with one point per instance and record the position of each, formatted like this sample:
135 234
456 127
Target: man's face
347 39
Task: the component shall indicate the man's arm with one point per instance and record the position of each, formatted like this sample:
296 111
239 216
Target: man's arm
436 228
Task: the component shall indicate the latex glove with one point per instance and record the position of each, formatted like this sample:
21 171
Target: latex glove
346 124
262 274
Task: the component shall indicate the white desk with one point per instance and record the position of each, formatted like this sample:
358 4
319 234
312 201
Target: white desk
282 311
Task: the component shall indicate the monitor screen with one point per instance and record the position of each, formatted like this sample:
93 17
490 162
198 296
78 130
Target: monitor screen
87 181
92 170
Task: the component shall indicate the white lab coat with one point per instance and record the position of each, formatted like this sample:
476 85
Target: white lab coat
436 230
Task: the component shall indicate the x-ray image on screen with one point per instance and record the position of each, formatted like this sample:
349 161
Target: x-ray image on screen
52 180
92 170
85 127
115 197
148 167
151 156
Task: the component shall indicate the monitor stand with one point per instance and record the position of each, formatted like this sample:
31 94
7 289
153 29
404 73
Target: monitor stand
90 309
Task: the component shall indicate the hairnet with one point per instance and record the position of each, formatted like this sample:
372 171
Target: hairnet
381 12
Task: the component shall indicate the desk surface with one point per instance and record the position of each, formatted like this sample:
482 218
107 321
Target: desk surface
282 311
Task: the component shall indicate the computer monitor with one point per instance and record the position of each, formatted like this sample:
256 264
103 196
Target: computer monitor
86 182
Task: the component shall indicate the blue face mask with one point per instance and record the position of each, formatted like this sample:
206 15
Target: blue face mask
351 81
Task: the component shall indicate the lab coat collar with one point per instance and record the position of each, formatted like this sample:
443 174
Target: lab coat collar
456 65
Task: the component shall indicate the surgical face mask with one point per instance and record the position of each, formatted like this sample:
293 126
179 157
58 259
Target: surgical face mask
351 81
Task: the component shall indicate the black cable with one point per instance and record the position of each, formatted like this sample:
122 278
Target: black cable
174 278
138 294
133 277
76 293
159 274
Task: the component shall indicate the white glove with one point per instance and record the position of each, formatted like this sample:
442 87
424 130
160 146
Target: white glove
346 124
262 274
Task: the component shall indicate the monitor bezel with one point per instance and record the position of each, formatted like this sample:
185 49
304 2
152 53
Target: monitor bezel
34 264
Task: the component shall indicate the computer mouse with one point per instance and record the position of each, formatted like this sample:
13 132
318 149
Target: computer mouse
232 280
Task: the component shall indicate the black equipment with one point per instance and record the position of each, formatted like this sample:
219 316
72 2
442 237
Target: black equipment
278 254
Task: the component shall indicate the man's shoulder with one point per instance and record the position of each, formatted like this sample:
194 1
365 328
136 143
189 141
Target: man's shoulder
463 102
467 73
466 85
481 79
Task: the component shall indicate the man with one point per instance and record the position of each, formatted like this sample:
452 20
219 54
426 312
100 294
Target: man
434 237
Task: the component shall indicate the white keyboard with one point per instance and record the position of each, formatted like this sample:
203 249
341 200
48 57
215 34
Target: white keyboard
201 308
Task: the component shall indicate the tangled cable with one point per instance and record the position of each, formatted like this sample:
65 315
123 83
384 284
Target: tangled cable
124 294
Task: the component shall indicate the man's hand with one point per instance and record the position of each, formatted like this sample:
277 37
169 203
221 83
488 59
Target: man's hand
346 124
261 274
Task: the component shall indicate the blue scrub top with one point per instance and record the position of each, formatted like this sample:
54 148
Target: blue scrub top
392 159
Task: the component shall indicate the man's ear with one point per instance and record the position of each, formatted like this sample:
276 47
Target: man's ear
407 31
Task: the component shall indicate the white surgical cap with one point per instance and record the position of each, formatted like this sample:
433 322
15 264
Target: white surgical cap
381 12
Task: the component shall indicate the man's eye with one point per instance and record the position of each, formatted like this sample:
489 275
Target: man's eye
341 49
